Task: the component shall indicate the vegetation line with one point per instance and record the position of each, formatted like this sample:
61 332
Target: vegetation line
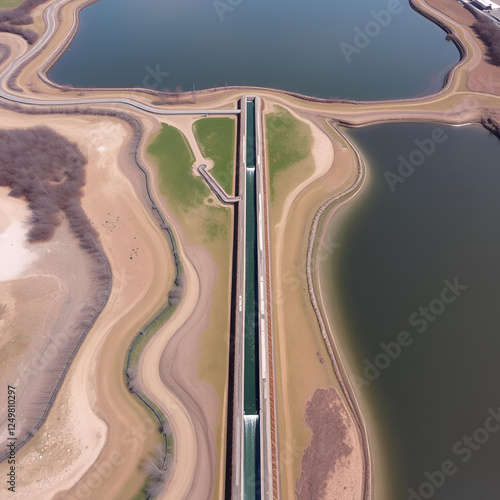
489 33
14 20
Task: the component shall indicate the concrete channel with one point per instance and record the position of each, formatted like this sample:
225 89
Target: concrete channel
254 473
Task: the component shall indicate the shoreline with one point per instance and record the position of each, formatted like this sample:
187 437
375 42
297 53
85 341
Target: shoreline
313 280
52 60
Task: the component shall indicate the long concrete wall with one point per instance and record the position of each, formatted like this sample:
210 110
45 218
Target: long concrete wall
269 449
237 479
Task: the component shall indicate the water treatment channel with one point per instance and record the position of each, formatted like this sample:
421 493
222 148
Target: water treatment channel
251 446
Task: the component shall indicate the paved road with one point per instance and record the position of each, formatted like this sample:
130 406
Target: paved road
269 476
270 488
216 189
50 15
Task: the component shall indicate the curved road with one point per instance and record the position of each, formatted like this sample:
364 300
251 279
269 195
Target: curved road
50 22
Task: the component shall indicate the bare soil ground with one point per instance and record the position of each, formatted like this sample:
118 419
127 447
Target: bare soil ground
300 377
323 469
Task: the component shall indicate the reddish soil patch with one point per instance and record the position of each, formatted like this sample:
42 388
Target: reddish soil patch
328 421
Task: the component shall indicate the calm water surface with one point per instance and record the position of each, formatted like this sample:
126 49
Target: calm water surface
284 44
397 248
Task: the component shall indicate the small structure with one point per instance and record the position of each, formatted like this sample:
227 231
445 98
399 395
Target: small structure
485 4
496 15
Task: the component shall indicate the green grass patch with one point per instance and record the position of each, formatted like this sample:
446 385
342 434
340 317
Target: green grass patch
217 224
142 495
216 138
143 339
186 192
288 142
135 353
9 4
175 159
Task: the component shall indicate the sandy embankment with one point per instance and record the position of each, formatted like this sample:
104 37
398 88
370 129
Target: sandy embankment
69 443
295 330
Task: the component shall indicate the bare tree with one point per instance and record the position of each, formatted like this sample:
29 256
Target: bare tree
14 20
157 468
133 380
48 171
489 33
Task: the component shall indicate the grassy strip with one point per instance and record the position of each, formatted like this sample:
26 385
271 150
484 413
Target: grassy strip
217 140
186 192
9 4
139 343
288 143
142 339
137 347
175 159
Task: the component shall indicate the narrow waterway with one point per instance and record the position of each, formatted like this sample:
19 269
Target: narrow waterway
251 405
251 447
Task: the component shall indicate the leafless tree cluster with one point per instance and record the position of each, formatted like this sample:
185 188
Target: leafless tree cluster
492 125
20 15
157 468
166 96
133 380
47 171
4 52
175 294
15 20
489 33
329 448
29 35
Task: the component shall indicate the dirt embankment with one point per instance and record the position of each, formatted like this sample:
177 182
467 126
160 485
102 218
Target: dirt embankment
331 445
15 20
